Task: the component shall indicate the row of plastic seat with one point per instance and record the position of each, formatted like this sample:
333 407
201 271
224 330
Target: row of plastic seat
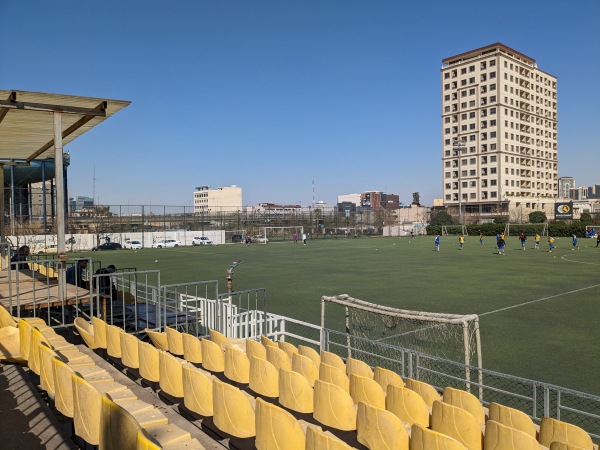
411 401
88 395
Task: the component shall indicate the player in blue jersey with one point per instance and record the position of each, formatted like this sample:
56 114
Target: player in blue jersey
437 242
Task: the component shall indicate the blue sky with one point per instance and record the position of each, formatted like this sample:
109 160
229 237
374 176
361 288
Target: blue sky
273 94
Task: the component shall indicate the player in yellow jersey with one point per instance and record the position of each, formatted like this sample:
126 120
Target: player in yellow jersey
551 243
537 241
461 241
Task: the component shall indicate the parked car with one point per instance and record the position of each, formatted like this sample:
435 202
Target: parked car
260 239
237 238
50 248
166 243
108 246
134 245
202 240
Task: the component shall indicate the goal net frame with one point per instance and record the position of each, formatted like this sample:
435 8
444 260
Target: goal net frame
461 229
535 227
299 229
455 337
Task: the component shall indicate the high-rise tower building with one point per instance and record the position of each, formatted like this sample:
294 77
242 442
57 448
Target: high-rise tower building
499 132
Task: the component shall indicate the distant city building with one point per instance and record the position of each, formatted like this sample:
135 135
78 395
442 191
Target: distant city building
80 202
377 200
565 184
594 191
349 198
504 109
579 193
222 199
276 209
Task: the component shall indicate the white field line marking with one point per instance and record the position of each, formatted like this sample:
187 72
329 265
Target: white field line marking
579 262
538 300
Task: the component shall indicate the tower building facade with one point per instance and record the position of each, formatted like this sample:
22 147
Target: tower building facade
499 133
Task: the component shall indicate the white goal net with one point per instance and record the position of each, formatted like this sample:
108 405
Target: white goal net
450 336
280 234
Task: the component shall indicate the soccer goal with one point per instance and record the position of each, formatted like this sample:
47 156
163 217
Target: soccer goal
454 230
528 229
280 234
454 337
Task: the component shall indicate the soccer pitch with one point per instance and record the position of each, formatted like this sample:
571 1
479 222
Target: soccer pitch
539 311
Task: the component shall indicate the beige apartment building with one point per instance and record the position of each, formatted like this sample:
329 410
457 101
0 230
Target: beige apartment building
220 200
499 134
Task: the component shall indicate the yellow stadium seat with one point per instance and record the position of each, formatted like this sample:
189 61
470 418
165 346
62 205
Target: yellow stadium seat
6 319
316 439
425 390
501 437
335 375
386 377
457 423
358 367
170 374
407 405
10 345
377 429
264 340
25 330
145 442
513 418
466 401
149 362
311 353
333 360
552 430
237 365
34 355
264 377
213 357
46 375
278 358
192 348
158 338
119 428
333 406
86 331
218 338
255 348
113 341
174 341
422 438
366 390
198 391
130 350
86 410
277 428
295 392
63 387
233 411
289 349
306 367
99 332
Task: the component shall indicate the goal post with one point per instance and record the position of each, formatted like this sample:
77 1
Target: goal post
453 337
529 229
280 234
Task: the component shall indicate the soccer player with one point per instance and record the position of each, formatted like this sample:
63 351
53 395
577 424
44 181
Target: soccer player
551 243
522 238
537 241
461 241
575 246
481 237
437 242
501 245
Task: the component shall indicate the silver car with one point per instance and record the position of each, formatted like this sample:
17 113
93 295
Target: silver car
203 240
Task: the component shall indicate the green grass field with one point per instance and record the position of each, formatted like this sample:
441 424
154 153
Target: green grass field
539 311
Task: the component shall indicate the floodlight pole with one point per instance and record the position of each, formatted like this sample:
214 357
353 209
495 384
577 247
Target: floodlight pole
458 146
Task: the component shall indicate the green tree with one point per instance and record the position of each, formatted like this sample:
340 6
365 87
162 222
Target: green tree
585 218
441 218
537 217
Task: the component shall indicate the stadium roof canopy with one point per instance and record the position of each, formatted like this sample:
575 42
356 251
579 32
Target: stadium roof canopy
27 122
